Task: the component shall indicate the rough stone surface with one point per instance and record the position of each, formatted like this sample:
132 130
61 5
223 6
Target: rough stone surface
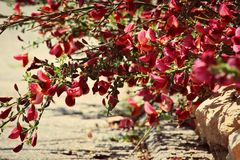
234 145
180 143
217 118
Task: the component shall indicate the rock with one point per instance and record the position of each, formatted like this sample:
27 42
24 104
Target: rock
175 143
217 118
234 145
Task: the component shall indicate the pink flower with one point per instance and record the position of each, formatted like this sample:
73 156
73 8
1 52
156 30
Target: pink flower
179 78
172 21
151 112
17 9
15 133
200 72
161 65
166 103
76 91
37 94
142 37
151 35
23 58
43 77
34 139
32 114
188 42
149 109
56 50
236 41
126 123
224 11
129 27
170 51
173 5
136 108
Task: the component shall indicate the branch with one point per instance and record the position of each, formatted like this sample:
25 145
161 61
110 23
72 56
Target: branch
6 25
3 16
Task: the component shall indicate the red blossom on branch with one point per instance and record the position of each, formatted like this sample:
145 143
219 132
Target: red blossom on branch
23 58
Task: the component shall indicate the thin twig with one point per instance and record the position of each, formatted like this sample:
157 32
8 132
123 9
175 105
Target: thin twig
142 139
5 25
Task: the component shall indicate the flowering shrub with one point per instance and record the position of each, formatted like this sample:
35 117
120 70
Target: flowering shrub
165 47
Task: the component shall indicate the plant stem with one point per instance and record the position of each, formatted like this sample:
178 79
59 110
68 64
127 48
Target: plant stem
142 139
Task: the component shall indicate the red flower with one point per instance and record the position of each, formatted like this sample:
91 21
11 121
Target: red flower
97 14
32 114
43 77
166 103
182 114
126 123
70 100
37 99
18 148
83 84
142 37
17 9
236 41
5 99
136 108
151 35
23 58
172 21
173 5
160 81
170 51
103 87
151 112
15 133
224 11
35 88
75 92
34 139
61 89
161 65
180 78
37 95
188 42
149 109
113 100
200 72
4 114
129 27
80 3
56 50
52 90
54 5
